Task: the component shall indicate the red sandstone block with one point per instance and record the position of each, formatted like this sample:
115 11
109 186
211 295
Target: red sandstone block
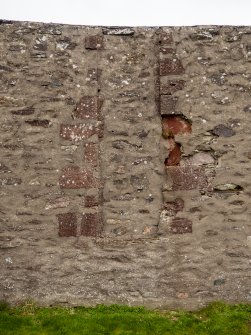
174 154
67 224
92 201
172 86
167 104
173 125
188 177
91 224
73 178
171 66
86 108
94 42
91 153
77 132
175 206
180 226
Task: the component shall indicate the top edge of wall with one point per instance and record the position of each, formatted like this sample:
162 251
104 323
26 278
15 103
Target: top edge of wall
7 22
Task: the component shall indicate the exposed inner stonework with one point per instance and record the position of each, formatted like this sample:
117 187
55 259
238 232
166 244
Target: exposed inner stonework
125 164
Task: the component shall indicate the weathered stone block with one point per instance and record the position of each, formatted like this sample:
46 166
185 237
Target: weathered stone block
228 187
91 224
92 201
174 207
77 132
172 86
91 153
124 31
167 104
188 178
218 78
202 36
60 202
67 224
180 226
73 178
223 131
94 42
171 67
24 111
50 29
219 281
65 43
86 108
38 123
247 109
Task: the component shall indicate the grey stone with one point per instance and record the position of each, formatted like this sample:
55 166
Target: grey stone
223 131
218 282
126 31
247 109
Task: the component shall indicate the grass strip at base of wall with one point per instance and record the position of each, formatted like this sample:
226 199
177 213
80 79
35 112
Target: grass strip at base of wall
216 319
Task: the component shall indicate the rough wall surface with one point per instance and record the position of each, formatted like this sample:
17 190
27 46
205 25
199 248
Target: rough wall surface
125 164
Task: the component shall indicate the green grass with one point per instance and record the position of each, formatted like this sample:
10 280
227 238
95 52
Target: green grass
216 319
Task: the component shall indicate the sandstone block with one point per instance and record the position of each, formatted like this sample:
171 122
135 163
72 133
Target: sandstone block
180 226
91 224
91 153
92 201
77 132
188 177
171 67
67 224
171 86
94 42
86 108
73 178
167 104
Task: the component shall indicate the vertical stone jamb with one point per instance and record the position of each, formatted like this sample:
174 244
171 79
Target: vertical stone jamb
85 128
168 82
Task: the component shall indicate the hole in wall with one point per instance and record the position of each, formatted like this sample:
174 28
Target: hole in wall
173 125
174 154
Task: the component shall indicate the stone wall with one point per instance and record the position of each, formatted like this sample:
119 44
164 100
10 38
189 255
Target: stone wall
125 164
